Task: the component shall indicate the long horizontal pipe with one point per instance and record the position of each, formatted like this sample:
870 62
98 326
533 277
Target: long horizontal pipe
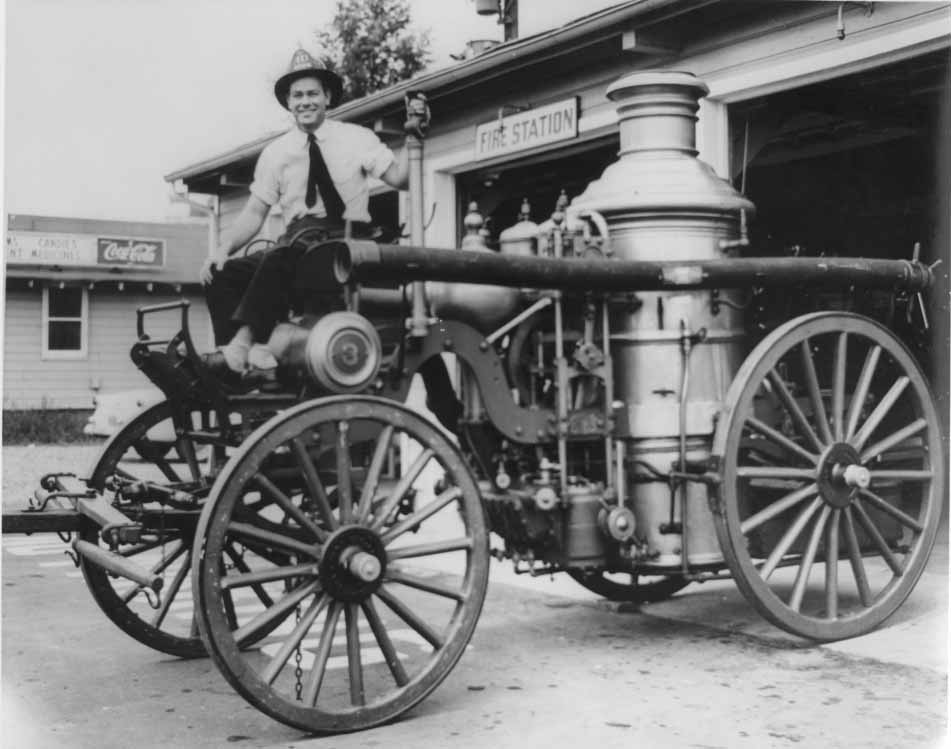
371 264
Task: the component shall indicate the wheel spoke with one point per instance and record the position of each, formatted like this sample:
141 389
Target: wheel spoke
793 409
314 484
351 615
855 559
861 390
774 509
124 474
789 537
414 520
275 539
838 386
288 506
398 576
775 472
255 584
866 522
780 439
249 578
808 557
403 486
893 439
344 489
404 613
815 394
385 643
373 473
278 611
900 475
170 594
832 567
186 449
890 509
294 639
425 550
880 412
317 671
275 557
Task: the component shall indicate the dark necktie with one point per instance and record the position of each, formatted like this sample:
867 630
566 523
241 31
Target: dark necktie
318 178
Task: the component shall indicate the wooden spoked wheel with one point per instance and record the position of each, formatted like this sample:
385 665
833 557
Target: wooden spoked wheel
630 587
832 471
358 530
142 455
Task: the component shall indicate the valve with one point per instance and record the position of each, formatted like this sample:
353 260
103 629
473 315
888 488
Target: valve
502 480
546 498
618 523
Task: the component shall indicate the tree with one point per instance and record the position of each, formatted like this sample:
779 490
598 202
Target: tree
370 46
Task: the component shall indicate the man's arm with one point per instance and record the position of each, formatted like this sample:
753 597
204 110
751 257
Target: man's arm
245 227
417 123
397 175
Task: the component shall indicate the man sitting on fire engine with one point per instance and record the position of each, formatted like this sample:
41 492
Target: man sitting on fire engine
318 172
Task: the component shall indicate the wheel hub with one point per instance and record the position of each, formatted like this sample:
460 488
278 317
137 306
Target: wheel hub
353 563
841 475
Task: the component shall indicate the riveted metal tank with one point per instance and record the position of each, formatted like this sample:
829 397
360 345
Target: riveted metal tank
483 307
674 354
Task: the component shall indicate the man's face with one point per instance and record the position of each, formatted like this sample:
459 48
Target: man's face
307 101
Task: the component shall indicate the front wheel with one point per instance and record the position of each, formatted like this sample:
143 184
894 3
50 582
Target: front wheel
360 530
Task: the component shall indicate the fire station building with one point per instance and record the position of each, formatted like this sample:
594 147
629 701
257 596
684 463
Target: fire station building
72 290
832 118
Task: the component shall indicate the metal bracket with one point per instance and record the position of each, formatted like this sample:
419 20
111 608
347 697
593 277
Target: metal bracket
840 22
153 597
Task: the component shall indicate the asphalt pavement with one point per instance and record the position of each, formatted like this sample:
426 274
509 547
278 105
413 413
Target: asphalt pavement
550 665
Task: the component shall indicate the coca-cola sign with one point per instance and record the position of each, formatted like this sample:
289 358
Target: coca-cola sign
137 252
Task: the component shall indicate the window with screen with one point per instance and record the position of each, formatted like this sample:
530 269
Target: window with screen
64 325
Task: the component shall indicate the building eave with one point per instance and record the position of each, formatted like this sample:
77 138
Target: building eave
464 74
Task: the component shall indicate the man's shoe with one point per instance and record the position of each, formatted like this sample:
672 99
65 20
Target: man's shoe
216 363
260 378
260 357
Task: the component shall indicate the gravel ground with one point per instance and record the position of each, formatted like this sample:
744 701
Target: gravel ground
24 465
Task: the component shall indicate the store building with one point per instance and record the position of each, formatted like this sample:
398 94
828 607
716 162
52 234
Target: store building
831 117
72 290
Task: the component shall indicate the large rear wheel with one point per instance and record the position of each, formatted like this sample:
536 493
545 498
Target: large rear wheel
831 457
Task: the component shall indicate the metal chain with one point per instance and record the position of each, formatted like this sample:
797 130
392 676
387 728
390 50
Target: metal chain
298 671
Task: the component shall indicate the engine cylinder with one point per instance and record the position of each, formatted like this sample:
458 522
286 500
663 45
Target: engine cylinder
341 352
674 353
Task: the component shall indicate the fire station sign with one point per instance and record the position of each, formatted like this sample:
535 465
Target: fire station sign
81 250
529 129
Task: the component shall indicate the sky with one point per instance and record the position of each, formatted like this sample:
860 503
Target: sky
102 98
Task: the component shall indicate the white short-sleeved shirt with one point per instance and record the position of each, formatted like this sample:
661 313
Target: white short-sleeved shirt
352 153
